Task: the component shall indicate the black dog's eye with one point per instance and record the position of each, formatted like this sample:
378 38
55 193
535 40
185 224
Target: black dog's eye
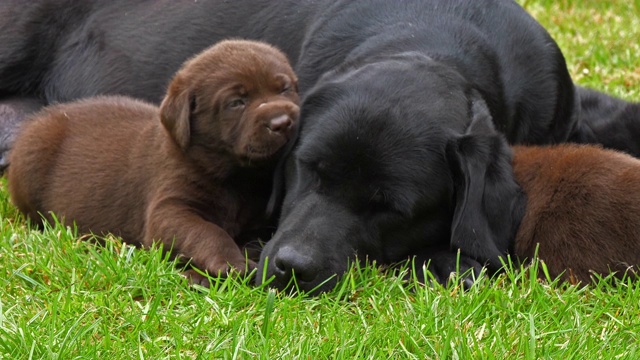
236 103
377 202
380 204
319 169
322 168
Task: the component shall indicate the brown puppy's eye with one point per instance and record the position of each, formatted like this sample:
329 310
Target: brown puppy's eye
286 88
236 104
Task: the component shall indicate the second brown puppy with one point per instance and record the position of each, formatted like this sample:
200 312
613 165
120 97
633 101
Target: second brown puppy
195 174
583 210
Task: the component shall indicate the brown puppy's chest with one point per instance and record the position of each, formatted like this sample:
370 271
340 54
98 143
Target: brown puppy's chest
240 208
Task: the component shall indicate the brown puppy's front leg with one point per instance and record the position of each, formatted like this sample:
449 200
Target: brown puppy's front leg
187 234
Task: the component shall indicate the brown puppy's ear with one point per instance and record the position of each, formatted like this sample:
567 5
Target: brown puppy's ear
175 112
489 204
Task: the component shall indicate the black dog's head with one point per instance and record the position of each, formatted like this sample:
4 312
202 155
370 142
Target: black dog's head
383 169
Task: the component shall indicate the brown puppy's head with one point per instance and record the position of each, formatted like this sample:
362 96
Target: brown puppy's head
237 99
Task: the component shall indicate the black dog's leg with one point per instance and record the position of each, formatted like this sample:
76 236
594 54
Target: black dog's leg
445 265
609 121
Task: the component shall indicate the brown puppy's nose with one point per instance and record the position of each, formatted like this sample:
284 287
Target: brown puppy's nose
281 124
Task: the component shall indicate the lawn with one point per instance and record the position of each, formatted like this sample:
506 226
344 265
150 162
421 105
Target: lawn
63 298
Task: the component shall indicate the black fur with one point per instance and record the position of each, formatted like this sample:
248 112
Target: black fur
13 110
612 122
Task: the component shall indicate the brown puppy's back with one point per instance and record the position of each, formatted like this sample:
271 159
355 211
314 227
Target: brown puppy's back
583 209
47 166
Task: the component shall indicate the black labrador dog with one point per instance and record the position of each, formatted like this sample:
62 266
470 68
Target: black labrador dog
389 88
379 172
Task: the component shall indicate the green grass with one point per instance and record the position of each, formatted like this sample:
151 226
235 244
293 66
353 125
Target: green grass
600 40
63 298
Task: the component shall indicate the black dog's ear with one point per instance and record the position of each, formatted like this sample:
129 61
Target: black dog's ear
489 204
481 120
175 112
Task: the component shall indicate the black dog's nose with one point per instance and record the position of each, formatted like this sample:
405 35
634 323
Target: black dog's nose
289 261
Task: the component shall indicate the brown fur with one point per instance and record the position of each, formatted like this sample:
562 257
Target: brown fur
198 169
583 209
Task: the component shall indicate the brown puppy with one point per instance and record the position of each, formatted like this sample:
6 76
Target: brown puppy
583 209
198 169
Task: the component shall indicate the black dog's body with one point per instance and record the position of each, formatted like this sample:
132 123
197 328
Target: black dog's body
61 50
471 37
64 50
388 87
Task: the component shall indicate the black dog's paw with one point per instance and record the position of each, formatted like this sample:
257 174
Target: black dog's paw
4 157
445 267
13 112
7 137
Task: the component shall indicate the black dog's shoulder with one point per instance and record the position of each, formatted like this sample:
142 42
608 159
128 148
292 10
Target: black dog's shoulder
527 88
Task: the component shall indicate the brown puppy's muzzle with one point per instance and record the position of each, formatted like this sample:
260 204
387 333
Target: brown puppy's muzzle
281 125
272 125
279 117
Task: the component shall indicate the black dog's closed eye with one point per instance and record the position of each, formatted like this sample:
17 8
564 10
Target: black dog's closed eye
320 171
379 203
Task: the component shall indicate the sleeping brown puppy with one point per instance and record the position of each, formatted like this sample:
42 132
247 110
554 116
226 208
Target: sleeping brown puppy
583 209
198 169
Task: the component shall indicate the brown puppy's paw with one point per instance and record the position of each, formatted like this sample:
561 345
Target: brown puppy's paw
196 278
203 278
230 266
